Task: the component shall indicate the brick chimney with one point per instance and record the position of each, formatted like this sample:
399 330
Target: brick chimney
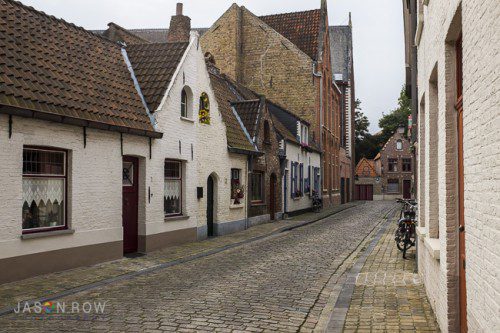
180 26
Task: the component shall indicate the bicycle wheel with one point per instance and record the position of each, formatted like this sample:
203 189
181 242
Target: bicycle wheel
406 243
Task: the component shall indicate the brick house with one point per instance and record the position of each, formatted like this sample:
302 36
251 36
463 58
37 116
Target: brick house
396 167
457 152
285 57
302 161
368 183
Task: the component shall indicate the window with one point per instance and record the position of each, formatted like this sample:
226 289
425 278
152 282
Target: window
399 144
236 188
257 187
301 179
294 179
393 186
204 112
316 179
44 189
393 164
407 164
267 135
173 188
184 103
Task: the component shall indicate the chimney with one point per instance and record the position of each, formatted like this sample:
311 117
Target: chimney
180 26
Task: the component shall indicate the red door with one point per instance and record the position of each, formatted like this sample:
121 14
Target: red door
406 189
130 201
369 192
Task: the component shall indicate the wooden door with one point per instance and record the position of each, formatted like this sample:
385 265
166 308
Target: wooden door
357 192
406 189
348 188
130 191
272 196
210 206
369 192
461 229
342 190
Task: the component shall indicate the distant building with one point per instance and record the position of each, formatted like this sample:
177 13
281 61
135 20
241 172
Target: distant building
368 185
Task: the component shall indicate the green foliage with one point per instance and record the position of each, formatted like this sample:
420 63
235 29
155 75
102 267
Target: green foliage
368 145
399 116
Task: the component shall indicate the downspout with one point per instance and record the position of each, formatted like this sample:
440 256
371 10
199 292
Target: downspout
320 75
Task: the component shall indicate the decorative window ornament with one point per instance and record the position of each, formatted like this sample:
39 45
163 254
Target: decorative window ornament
204 113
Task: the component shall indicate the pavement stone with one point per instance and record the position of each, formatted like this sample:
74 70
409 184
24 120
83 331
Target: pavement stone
280 279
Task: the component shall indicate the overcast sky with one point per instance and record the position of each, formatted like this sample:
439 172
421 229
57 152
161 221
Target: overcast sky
378 32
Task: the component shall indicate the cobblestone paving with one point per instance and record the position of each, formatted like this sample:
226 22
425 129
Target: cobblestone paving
389 295
49 284
269 285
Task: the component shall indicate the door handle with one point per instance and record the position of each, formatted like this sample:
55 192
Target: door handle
461 228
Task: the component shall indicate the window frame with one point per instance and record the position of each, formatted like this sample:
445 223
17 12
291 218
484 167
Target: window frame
233 179
408 163
396 162
64 176
262 187
397 181
184 103
399 142
180 179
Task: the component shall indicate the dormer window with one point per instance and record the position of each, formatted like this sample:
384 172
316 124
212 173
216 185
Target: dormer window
399 144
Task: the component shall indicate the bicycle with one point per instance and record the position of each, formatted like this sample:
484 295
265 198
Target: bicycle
405 233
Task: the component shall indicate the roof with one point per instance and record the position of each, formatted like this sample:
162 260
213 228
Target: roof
283 131
117 33
248 111
225 93
154 65
366 168
341 50
151 35
66 73
301 28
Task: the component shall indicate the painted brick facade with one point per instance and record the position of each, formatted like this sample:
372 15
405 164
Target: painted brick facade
440 23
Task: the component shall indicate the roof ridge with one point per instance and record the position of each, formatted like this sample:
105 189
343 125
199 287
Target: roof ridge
53 18
287 111
288 13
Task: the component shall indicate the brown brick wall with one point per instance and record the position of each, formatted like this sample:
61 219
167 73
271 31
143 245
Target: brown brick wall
390 151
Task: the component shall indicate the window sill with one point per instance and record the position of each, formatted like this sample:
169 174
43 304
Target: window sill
189 120
258 203
238 206
432 244
421 232
43 234
176 218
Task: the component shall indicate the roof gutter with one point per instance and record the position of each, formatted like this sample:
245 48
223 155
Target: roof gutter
138 88
26 113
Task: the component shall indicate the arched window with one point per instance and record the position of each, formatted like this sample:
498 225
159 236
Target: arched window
204 112
184 102
399 145
267 136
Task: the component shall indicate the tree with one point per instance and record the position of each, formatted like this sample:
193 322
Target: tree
399 116
361 122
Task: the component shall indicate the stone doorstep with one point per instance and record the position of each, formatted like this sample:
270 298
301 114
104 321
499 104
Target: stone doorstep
145 264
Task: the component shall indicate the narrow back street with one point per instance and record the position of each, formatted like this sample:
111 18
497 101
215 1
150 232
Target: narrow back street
286 282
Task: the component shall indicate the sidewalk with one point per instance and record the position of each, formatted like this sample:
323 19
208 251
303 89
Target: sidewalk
389 295
55 285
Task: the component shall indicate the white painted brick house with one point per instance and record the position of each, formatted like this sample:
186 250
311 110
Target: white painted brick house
458 154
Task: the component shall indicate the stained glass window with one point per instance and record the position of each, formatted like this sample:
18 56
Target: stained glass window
44 189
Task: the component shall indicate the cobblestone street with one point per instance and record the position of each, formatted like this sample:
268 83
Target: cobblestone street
285 282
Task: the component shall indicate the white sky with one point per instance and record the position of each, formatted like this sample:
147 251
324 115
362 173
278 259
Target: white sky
378 32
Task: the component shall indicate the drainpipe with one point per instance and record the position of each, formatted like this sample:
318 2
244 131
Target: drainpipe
320 75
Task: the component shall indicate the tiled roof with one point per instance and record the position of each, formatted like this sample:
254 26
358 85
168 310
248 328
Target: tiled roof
341 50
249 114
117 33
158 35
301 28
225 93
154 65
59 70
283 131
369 165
